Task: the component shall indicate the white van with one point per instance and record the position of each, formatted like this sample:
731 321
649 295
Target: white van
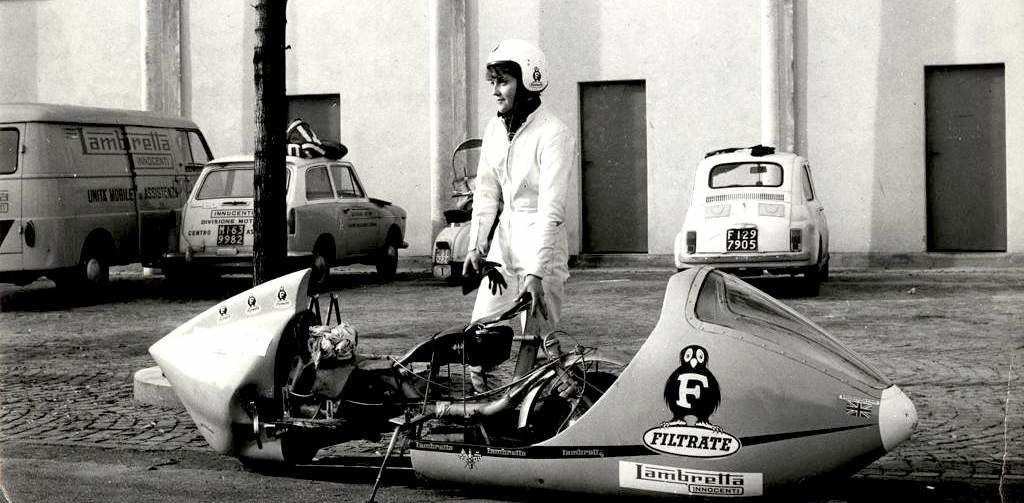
85 188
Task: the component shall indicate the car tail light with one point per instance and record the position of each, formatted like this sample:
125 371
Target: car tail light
691 242
291 221
796 237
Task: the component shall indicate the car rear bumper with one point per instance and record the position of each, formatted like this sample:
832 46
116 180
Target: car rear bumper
235 261
748 260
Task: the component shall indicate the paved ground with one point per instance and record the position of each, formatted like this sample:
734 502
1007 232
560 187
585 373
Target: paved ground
953 339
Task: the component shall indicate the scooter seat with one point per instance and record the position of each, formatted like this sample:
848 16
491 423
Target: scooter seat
457 216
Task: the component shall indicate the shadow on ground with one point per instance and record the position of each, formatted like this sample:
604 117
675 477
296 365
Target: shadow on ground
43 295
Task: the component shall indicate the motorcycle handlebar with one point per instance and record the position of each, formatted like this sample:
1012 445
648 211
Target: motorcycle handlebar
518 307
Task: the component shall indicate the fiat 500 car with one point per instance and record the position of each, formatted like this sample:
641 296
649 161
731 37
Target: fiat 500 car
330 219
754 211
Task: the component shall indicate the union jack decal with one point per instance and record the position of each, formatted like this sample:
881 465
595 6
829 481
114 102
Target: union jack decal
858 409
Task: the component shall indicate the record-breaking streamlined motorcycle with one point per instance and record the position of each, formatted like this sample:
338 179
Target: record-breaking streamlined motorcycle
732 394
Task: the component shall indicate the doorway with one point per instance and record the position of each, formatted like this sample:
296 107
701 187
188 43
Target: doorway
965 158
613 125
320 111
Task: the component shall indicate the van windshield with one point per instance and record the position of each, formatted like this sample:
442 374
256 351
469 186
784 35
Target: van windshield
227 183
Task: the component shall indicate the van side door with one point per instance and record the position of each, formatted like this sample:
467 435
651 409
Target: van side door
10 197
155 157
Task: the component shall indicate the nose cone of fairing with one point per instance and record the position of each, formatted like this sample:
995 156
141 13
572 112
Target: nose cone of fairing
897 417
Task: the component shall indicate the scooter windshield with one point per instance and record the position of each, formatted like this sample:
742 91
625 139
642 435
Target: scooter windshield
729 302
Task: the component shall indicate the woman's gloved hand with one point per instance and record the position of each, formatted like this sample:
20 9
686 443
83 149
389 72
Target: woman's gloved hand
535 287
475 268
473 264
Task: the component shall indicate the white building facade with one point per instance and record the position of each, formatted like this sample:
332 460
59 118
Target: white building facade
911 113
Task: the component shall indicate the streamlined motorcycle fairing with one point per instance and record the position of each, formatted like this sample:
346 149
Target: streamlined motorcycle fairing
732 394
221 362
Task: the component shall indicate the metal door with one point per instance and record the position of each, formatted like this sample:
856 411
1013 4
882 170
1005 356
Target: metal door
614 168
156 161
320 111
965 133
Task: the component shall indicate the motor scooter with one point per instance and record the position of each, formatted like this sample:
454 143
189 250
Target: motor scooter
450 246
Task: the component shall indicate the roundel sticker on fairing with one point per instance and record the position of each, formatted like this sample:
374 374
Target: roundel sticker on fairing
692 395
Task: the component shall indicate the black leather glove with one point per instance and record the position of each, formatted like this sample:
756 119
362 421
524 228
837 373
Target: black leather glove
495 280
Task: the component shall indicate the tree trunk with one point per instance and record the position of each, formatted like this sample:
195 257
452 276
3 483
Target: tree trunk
269 238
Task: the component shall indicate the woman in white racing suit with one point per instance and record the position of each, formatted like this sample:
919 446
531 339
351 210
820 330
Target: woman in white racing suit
526 164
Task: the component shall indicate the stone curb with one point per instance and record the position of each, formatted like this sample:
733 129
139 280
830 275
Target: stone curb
150 387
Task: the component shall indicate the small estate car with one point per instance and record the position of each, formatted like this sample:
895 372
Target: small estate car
754 211
330 219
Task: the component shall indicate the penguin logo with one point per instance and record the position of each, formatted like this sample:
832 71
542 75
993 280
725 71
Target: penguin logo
253 306
223 314
282 299
692 392
536 76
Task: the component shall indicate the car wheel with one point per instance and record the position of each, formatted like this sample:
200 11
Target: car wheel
387 261
176 275
323 255
812 282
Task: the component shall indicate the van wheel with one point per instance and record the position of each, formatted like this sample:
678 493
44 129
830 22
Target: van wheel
387 261
92 272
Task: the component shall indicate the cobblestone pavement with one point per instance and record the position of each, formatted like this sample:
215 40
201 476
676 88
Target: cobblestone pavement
953 340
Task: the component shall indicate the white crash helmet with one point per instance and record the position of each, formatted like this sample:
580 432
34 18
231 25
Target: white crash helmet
529 58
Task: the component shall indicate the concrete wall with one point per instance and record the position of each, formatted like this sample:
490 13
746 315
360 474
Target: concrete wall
859 87
71 51
373 55
860 97
703 90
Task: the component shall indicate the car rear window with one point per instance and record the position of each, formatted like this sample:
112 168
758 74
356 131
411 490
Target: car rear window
227 183
745 174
